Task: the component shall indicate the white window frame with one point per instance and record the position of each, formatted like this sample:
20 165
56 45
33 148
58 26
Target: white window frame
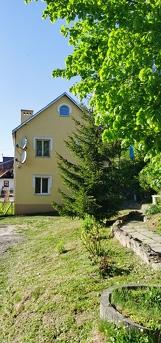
42 138
49 177
64 104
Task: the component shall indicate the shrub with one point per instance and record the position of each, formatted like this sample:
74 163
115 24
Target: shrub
104 266
91 237
60 248
153 209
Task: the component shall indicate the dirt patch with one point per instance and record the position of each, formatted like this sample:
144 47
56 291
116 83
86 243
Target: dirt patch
8 237
97 337
154 221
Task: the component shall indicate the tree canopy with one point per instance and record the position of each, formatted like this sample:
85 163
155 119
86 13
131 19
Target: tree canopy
117 54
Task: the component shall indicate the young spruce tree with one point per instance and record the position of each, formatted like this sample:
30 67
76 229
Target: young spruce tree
90 180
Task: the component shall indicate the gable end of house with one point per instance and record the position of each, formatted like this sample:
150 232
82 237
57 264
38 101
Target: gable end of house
46 107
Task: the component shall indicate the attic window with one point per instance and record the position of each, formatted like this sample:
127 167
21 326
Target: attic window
64 110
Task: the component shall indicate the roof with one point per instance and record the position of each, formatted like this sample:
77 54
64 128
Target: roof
44 108
6 167
7 158
6 173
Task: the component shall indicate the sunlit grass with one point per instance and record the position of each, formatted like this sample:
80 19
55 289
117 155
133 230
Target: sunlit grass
51 296
143 305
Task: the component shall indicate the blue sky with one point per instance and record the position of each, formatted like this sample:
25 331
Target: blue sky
30 49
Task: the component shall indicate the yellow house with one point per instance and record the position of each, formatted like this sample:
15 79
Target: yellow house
36 141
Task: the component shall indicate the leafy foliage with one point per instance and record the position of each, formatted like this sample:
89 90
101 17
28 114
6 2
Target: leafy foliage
91 237
129 183
118 58
150 176
153 209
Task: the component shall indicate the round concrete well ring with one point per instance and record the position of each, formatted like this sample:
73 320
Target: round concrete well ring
109 313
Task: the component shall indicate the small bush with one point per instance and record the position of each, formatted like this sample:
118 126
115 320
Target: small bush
60 247
104 265
153 209
92 240
91 237
6 208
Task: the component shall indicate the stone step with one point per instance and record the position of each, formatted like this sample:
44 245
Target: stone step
145 243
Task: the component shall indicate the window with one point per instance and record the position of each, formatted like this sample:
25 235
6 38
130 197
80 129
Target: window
64 110
43 147
6 183
42 184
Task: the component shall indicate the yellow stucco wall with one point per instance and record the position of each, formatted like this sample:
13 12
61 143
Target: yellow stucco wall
47 124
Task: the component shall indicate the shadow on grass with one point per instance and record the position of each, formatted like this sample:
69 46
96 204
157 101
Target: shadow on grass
114 271
110 269
2 216
42 214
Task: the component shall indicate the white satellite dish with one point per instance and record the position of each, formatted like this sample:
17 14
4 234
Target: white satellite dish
23 157
24 143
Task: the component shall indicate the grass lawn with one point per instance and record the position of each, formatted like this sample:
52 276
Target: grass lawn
49 297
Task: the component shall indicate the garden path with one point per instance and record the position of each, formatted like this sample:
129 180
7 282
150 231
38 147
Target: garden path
144 242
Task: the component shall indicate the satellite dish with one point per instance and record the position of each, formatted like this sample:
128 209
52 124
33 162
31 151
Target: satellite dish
24 143
23 157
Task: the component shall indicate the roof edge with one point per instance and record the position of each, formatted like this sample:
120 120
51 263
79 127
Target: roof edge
47 106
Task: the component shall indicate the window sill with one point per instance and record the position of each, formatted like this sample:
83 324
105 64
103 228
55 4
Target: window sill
42 156
42 194
64 115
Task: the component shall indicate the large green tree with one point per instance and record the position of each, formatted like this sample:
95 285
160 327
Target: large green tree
91 185
117 54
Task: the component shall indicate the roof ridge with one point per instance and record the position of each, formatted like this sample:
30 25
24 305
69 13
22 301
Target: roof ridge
44 108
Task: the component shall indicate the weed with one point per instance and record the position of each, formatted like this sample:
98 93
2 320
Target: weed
60 247
104 266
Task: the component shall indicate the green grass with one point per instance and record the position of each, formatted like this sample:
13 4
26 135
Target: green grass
120 334
143 305
50 297
6 208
